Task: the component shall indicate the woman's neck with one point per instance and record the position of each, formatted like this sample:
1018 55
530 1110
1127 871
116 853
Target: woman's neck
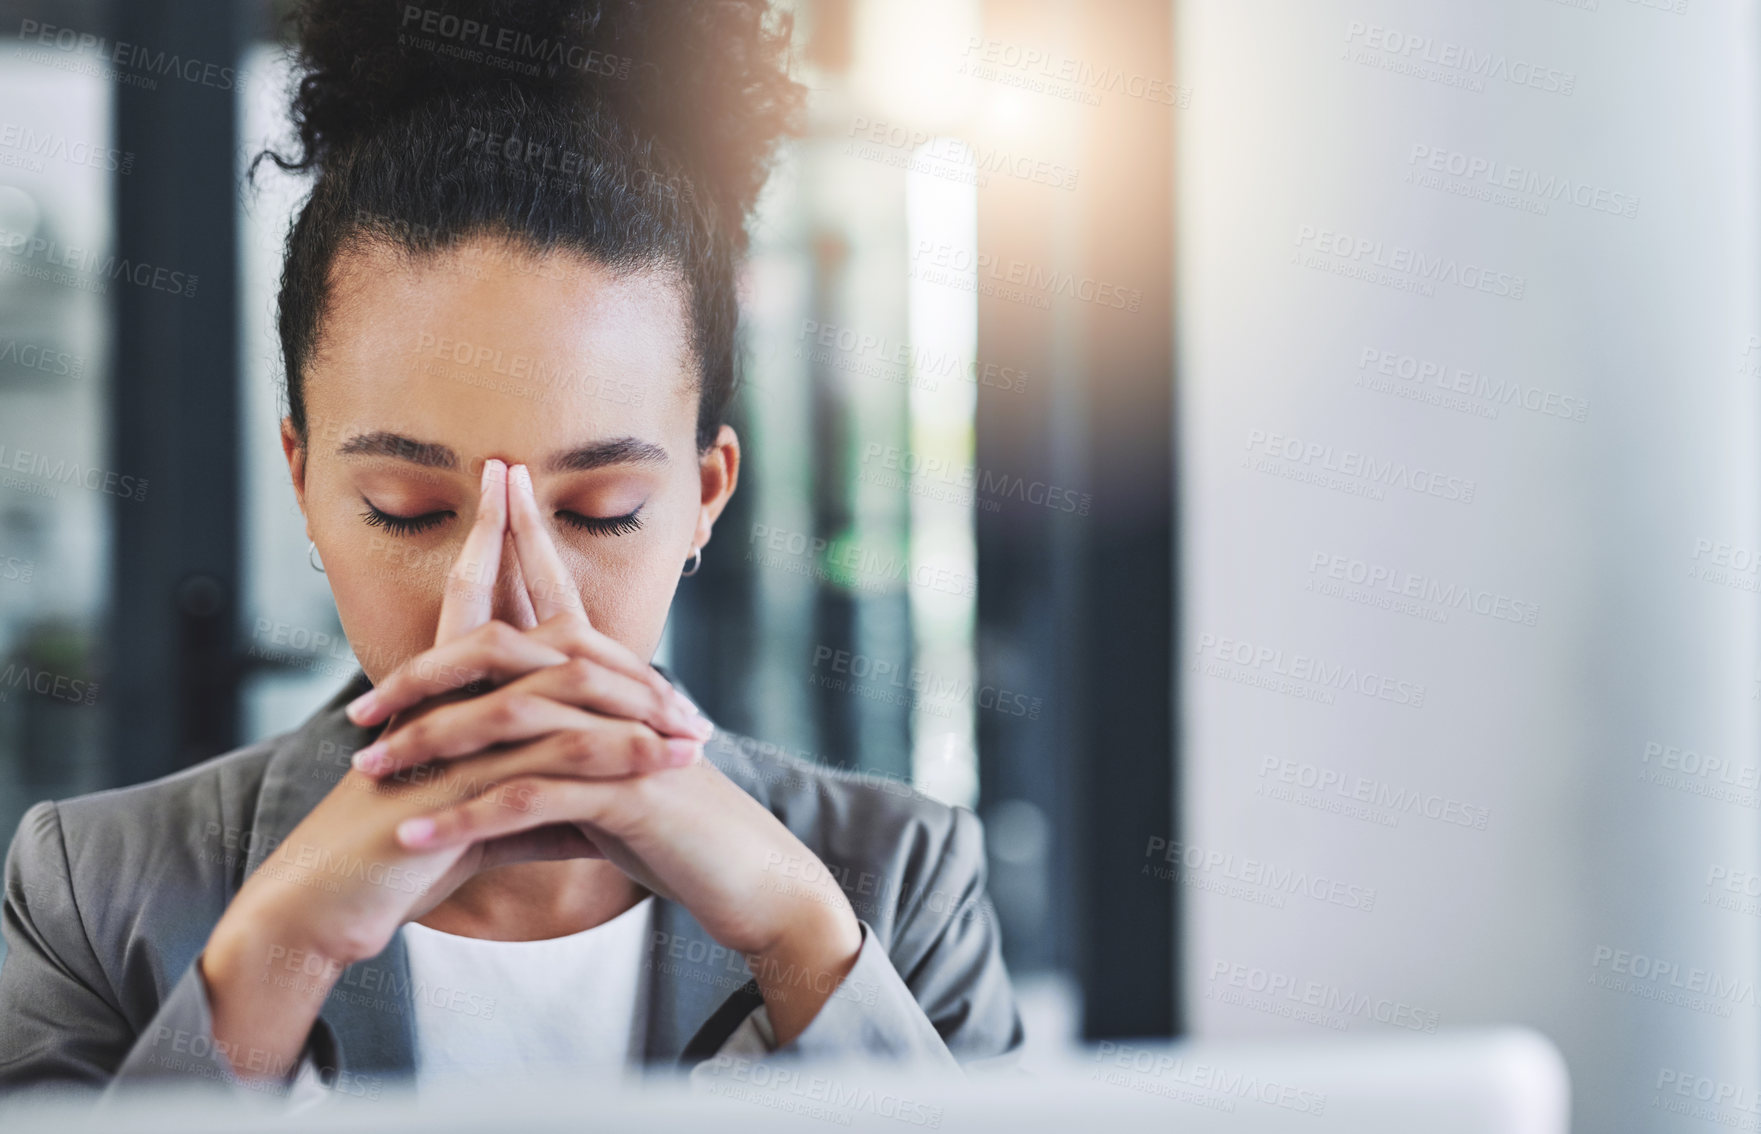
534 901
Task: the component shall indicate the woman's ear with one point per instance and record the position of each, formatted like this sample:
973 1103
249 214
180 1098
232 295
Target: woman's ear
296 460
719 471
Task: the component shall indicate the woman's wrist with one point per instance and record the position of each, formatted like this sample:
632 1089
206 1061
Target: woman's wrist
266 983
804 968
266 949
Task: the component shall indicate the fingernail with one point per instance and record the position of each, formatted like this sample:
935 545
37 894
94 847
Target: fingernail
690 717
413 832
371 758
363 705
699 726
522 478
493 471
682 752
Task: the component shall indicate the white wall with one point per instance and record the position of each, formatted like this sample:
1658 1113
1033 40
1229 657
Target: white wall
1304 119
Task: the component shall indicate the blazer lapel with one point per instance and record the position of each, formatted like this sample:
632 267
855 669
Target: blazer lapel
698 991
370 1011
688 976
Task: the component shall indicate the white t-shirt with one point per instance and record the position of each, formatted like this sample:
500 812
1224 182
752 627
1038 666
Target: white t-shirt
500 1009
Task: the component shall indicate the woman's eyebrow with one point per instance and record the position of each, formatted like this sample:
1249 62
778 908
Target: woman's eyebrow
382 443
617 451
432 454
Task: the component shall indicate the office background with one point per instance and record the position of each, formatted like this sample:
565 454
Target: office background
1290 466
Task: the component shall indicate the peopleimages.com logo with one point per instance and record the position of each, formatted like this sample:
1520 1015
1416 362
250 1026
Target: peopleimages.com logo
1400 265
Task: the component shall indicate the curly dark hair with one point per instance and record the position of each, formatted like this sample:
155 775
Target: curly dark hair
635 132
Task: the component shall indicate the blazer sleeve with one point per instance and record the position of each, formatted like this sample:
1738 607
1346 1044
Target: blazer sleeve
940 993
60 1022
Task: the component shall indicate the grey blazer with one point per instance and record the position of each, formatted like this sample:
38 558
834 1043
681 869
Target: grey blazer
110 898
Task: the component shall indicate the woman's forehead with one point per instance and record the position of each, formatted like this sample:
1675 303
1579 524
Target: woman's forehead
488 334
487 295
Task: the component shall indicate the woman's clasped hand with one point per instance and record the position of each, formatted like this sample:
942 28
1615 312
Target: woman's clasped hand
508 745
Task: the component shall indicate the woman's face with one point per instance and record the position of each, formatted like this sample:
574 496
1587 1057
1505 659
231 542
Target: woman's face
428 366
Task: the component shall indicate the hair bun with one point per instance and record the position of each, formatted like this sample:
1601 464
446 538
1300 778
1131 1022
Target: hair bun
705 81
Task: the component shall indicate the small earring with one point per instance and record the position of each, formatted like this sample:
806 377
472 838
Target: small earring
312 557
696 562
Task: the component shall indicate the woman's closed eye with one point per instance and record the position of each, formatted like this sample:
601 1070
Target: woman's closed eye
412 525
603 525
403 525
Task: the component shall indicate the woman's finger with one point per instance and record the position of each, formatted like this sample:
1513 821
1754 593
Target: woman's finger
601 748
548 582
556 600
587 684
463 727
470 585
515 805
519 712
494 651
504 715
573 636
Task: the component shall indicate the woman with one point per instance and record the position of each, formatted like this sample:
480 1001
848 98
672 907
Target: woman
507 314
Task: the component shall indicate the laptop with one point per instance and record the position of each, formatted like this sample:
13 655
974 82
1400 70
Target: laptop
1491 1081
